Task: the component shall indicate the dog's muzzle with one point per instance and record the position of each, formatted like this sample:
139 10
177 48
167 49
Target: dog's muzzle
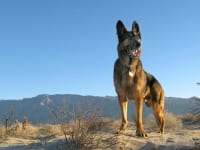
135 53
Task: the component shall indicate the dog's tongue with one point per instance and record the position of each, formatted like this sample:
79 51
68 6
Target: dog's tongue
136 53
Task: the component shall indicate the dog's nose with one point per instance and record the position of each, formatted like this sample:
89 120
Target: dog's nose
138 44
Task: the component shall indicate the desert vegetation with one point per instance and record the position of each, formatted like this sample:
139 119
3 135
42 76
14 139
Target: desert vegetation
89 130
81 132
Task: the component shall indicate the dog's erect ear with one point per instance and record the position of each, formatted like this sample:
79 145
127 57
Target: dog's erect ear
120 28
136 29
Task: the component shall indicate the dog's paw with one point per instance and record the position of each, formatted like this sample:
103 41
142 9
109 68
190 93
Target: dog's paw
141 133
160 131
122 129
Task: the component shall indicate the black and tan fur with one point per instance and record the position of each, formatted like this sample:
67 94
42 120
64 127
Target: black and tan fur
132 82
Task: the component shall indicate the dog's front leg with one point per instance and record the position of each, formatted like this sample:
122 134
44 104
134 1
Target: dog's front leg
123 102
139 125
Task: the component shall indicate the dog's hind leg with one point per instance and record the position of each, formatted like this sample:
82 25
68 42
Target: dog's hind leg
123 102
159 116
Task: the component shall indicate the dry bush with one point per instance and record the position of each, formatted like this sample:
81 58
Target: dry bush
12 130
49 129
44 130
190 118
112 125
193 118
172 122
81 131
8 119
25 123
23 129
31 131
2 131
79 135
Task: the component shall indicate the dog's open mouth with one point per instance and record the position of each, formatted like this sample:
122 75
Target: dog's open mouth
135 53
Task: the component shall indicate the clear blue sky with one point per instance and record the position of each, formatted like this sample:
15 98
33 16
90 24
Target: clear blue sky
69 46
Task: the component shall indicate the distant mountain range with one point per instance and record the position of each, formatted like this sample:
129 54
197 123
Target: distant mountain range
39 109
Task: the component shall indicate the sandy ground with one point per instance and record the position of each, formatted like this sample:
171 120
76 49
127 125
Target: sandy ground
185 138
179 139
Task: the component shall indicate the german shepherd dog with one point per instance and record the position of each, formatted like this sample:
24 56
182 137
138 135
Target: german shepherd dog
132 82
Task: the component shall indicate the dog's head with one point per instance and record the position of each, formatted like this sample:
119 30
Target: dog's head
129 46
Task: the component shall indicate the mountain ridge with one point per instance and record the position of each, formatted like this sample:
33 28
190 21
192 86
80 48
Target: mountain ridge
39 108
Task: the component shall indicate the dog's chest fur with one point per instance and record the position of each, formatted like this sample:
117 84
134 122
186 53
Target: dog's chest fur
130 81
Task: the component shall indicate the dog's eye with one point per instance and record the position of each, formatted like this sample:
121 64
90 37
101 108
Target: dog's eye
126 47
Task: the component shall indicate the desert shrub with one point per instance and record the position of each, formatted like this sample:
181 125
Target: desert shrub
8 119
194 116
81 131
172 122
17 130
2 131
49 129
31 131
25 123
190 118
79 135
